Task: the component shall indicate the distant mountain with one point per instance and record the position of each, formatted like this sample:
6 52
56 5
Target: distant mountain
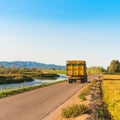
29 64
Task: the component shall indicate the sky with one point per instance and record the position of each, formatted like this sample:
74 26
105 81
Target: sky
53 31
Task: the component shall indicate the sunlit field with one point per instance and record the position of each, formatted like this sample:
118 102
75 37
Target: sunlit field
111 95
111 77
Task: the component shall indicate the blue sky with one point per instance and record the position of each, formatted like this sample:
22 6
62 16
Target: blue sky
53 31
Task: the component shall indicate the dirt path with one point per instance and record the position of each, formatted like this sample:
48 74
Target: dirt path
37 104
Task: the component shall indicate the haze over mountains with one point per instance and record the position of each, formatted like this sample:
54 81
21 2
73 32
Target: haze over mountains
30 64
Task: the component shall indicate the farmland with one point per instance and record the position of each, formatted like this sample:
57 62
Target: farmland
111 95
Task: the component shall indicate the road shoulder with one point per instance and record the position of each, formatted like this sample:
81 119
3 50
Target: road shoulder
56 115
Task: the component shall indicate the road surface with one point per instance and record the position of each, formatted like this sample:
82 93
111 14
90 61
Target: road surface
36 104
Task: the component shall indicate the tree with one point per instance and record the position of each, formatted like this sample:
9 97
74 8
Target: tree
95 70
114 67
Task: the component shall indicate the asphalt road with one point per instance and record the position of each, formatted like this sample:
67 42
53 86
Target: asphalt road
36 104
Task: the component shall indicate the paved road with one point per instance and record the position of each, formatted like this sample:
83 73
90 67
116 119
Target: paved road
36 104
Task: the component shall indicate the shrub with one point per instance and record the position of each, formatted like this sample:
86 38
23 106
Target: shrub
82 96
74 110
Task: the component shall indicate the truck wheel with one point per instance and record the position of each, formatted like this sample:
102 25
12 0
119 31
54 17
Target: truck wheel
74 80
82 81
85 79
70 81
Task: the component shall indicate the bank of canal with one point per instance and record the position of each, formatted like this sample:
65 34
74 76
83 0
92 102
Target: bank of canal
36 82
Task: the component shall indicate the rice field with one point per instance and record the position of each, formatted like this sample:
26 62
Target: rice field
111 95
113 77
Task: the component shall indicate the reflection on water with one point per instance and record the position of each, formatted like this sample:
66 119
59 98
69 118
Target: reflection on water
32 83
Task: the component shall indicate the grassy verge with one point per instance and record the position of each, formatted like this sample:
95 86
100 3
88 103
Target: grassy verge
86 90
111 96
21 90
74 110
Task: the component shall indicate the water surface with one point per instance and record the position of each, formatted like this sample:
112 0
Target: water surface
36 82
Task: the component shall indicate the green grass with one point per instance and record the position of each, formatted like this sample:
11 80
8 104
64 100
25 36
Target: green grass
42 76
54 71
24 89
35 73
86 91
74 110
15 78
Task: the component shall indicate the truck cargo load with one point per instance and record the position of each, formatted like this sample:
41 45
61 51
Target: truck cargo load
76 71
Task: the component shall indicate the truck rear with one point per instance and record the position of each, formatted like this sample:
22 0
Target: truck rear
76 71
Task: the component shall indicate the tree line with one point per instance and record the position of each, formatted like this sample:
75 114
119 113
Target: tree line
95 70
113 68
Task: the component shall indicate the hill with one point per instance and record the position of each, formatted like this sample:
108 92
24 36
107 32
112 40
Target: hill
30 64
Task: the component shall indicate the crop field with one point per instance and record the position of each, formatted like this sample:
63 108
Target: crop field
111 95
111 77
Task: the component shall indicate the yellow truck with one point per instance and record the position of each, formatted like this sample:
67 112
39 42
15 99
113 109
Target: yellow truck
76 71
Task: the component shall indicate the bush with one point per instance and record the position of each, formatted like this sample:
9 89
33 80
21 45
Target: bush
74 111
82 96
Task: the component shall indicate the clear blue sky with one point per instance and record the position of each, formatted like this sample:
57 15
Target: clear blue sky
53 31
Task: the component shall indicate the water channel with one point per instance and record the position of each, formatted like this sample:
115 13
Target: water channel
36 82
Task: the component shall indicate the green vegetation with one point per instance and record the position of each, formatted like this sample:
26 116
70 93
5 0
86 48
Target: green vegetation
111 96
86 90
24 89
114 67
75 110
95 70
55 71
35 73
8 79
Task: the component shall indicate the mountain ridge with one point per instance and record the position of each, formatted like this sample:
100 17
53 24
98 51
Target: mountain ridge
30 64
